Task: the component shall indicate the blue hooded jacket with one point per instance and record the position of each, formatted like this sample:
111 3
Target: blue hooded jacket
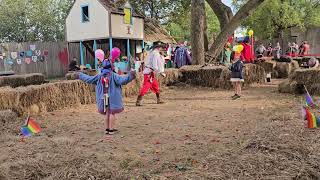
115 88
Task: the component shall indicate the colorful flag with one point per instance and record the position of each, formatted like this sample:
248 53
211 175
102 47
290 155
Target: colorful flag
309 100
311 119
30 128
26 132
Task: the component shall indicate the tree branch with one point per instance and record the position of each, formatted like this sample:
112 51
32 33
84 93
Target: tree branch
222 11
233 24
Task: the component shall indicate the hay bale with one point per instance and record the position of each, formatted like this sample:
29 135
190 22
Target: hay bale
133 88
172 77
22 80
287 86
267 65
305 77
284 69
71 76
219 76
254 74
9 98
47 97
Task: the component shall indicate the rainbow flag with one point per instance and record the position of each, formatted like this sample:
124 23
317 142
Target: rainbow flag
311 119
309 100
30 128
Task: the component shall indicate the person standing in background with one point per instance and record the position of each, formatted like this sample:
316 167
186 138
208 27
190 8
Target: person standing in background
154 65
182 57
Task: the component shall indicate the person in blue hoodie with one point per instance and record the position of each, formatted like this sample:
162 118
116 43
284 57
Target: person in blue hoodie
108 92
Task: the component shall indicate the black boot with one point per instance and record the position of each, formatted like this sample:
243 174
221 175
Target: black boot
159 100
139 99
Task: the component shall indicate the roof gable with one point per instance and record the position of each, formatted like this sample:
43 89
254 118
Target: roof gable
117 6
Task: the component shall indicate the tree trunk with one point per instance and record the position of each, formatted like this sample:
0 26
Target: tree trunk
197 31
223 12
230 27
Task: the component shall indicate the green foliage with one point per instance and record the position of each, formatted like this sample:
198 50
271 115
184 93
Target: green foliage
274 16
36 20
213 22
179 25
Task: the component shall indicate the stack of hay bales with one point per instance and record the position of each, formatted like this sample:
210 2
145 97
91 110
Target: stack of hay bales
22 80
269 67
219 76
279 69
172 77
300 78
47 97
284 69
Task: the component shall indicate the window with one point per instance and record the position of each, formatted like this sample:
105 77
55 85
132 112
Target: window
85 13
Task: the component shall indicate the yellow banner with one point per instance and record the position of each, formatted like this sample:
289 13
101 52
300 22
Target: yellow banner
127 16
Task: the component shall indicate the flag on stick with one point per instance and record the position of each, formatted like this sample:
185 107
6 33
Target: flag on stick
311 119
30 128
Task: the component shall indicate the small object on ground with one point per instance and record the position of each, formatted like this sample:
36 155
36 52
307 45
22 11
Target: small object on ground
30 128
236 97
269 77
111 131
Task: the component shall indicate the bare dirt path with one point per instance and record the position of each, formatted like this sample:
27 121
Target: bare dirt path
198 134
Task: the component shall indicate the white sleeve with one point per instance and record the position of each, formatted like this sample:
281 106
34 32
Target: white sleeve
161 63
155 62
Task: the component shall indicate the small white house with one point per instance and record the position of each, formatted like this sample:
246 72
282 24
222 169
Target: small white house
99 24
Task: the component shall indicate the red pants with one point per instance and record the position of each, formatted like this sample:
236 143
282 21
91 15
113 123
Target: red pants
149 82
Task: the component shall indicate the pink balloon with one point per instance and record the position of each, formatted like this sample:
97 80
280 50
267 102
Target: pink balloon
99 54
115 53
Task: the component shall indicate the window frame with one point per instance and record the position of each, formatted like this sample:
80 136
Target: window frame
82 14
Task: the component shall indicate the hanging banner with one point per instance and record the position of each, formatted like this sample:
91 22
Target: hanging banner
46 53
34 58
38 52
127 15
27 60
9 62
19 61
22 54
14 55
32 47
42 58
29 53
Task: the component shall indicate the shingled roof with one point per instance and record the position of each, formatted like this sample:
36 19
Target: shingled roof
155 32
117 6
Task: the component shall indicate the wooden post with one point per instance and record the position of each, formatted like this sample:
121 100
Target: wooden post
142 44
95 58
128 52
81 54
128 48
110 46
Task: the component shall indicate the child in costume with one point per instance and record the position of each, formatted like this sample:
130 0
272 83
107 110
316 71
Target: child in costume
236 74
108 91
154 65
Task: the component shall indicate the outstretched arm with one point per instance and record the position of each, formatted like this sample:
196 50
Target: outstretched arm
123 80
89 79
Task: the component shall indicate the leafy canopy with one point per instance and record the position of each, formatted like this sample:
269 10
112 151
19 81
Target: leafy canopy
274 16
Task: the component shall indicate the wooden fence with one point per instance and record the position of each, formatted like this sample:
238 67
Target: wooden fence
48 58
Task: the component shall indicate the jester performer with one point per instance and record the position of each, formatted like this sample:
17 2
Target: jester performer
154 66
108 89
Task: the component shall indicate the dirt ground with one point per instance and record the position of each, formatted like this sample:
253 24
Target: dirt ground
198 134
